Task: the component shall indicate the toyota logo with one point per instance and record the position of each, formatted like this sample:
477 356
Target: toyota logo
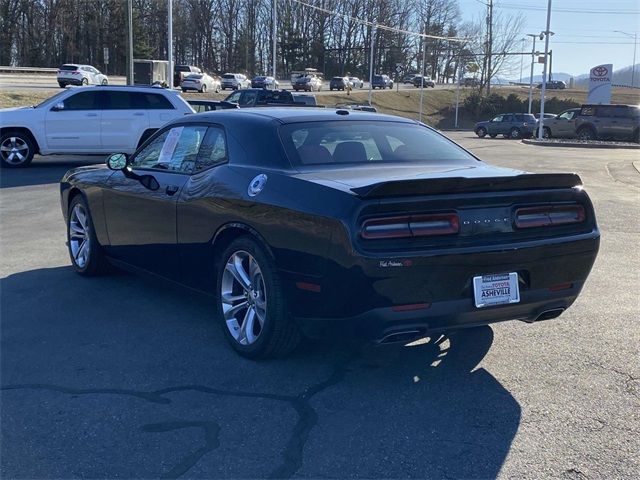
600 71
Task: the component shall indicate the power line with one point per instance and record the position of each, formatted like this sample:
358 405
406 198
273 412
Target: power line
378 25
567 10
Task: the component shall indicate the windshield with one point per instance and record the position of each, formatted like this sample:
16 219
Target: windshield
68 67
358 142
50 99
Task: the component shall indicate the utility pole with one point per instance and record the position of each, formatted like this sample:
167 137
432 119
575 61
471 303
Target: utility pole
424 59
533 56
275 37
547 34
170 42
489 75
522 58
635 44
130 42
373 44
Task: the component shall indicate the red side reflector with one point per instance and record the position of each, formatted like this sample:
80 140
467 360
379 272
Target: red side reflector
310 287
410 307
548 215
560 286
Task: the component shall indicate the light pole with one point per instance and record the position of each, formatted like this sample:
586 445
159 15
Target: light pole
275 35
533 56
635 44
373 44
547 33
130 42
522 58
424 59
170 46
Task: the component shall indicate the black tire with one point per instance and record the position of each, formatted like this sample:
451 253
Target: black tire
184 90
515 133
587 133
636 135
546 132
493 135
85 82
96 263
217 90
481 132
62 85
203 89
279 335
105 81
21 144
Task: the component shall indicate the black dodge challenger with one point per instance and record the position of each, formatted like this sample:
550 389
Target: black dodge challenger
300 221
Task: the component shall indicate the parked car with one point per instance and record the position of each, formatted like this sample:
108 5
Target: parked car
180 72
235 81
76 74
200 106
339 83
511 125
608 122
409 78
562 125
308 83
356 82
554 85
470 82
328 211
262 81
259 97
201 82
91 120
305 99
382 82
418 80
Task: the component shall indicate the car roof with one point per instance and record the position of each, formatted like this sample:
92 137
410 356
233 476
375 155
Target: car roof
285 115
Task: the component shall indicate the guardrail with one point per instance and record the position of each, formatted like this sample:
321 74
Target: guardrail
9 69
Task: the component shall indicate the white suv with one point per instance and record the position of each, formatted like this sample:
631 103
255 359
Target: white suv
90 120
74 74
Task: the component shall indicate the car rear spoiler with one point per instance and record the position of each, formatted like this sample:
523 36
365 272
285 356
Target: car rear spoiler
434 186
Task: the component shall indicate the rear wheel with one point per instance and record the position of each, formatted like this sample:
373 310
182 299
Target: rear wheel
62 85
203 89
85 82
587 133
481 132
515 133
217 90
251 303
85 252
105 81
16 149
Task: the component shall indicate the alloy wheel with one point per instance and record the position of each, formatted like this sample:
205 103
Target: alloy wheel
79 238
244 298
14 150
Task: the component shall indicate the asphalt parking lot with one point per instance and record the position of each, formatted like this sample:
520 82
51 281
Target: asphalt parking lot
124 377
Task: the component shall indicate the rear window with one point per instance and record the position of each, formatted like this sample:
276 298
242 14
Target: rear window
357 142
183 68
195 76
117 100
260 78
377 77
229 76
69 67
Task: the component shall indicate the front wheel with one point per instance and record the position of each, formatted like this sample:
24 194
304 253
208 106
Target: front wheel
515 133
217 90
203 89
105 81
587 133
85 252
16 150
481 132
85 82
251 303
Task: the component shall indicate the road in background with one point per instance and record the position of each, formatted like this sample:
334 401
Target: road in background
120 376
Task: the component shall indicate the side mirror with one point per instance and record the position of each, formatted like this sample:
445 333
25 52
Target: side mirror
117 161
57 107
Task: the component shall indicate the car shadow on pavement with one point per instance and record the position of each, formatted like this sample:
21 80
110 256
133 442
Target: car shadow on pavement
44 171
122 376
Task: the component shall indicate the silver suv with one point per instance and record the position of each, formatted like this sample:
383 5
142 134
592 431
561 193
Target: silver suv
234 81
608 122
75 74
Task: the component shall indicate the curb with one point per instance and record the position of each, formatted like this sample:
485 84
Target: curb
543 143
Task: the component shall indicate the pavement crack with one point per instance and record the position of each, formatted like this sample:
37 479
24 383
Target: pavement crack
211 438
148 396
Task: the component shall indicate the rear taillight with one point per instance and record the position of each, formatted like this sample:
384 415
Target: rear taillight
529 217
411 226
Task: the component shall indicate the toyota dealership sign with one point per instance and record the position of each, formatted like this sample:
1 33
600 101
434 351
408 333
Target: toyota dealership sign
600 78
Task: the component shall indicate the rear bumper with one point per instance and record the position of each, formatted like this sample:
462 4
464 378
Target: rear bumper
387 324
374 295
70 81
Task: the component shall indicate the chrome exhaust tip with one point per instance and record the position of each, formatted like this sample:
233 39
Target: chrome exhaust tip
549 314
399 336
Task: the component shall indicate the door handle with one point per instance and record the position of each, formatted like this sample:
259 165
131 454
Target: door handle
171 189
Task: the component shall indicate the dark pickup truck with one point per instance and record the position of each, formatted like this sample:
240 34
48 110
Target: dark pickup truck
259 97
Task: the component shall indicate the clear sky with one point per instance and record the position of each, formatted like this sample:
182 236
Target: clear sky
584 30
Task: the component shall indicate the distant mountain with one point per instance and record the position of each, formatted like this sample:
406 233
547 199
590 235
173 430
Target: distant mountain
554 76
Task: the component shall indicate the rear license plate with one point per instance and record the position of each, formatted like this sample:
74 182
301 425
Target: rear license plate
498 289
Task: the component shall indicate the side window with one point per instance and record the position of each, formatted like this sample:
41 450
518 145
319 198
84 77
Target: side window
498 118
588 111
82 101
248 98
151 101
117 100
174 150
507 118
234 97
567 115
213 150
